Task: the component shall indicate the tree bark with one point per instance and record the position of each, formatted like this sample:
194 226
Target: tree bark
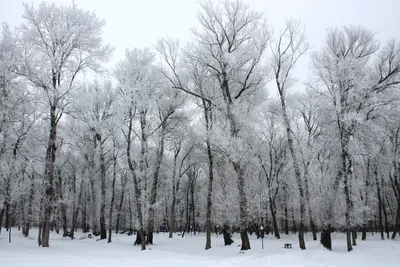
103 227
48 196
121 202
296 167
132 167
208 119
110 217
153 193
175 188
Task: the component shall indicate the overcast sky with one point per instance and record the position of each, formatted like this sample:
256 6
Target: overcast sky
138 23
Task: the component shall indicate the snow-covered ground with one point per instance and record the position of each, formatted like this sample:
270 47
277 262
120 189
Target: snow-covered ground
189 252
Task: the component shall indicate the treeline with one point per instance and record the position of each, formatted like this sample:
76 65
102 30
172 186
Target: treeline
190 137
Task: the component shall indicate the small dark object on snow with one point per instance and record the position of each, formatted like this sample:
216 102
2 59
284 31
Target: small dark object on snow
90 236
287 245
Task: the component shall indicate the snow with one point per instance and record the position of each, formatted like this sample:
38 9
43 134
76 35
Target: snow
189 252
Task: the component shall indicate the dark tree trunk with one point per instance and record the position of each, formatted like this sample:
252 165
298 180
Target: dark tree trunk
294 225
63 206
364 232
7 204
348 202
75 210
397 222
85 221
103 227
192 187
274 222
48 196
285 211
112 193
354 237
175 188
132 166
245 240
208 119
1 217
326 237
243 214
380 204
154 187
385 218
121 202
226 231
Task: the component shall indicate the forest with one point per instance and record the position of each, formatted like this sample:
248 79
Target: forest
208 136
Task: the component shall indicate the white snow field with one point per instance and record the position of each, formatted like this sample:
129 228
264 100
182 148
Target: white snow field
189 252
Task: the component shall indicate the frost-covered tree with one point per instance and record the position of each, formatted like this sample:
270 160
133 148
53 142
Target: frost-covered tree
56 45
353 75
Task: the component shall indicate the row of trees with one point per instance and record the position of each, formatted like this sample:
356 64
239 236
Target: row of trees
189 137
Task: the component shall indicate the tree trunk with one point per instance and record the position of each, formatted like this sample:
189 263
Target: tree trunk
27 225
76 210
63 206
93 195
1 216
348 209
243 214
48 196
208 119
226 231
175 188
103 227
192 187
380 204
354 237
397 222
112 193
153 193
296 167
132 166
7 201
274 222
121 202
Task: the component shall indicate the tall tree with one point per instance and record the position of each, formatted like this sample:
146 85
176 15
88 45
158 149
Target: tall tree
289 47
57 43
227 32
353 85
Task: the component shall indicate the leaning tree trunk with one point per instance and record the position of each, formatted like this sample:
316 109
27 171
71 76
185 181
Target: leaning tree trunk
296 167
273 215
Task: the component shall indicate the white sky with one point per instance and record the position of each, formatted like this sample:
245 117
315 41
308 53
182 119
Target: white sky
139 23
